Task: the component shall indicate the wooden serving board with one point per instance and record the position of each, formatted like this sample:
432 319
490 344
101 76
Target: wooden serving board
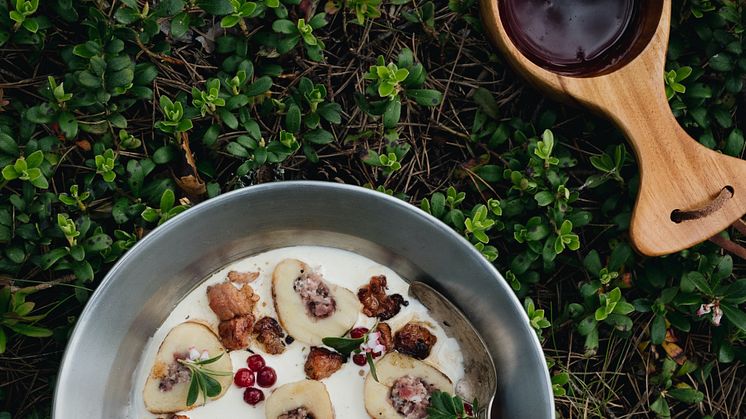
677 173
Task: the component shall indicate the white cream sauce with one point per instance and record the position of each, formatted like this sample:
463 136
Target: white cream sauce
345 387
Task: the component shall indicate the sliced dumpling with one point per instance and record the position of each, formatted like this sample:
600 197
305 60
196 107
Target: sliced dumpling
403 388
308 307
301 399
168 383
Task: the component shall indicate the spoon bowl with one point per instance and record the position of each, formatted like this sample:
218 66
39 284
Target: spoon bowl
676 172
479 367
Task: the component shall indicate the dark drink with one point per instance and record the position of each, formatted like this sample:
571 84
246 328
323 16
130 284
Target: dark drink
572 37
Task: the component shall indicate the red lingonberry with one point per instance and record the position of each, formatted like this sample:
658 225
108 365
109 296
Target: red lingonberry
266 377
244 378
255 362
359 359
253 396
358 332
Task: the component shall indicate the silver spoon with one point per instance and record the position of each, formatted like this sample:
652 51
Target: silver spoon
480 376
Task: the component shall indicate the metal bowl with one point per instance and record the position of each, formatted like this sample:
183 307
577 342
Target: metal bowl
140 291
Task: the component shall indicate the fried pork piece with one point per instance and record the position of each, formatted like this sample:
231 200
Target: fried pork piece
270 335
228 302
375 301
414 340
242 277
384 337
322 363
236 332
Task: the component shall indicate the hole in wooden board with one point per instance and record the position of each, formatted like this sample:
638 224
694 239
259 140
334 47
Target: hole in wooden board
678 215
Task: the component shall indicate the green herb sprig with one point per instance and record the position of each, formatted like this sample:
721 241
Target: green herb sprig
446 406
347 346
202 379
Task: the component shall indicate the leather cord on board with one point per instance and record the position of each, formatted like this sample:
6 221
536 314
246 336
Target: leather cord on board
725 194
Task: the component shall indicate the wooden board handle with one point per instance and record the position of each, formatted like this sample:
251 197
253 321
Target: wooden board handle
677 173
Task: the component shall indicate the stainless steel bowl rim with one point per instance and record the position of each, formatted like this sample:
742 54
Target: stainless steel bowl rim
195 212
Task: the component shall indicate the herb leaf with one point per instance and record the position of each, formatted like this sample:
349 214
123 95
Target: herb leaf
345 346
212 386
372 365
193 391
202 381
445 406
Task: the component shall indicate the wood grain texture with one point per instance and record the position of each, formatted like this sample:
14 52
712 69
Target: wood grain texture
676 171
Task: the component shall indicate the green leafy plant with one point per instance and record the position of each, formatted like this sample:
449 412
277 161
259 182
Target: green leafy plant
15 316
22 15
105 164
673 81
27 169
208 101
681 391
388 81
610 164
167 209
301 32
75 198
364 9
536 317
241 9
423 13
174 121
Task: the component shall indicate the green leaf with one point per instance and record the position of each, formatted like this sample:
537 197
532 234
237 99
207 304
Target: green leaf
50 258
371 365
293 118
40 182
318 136
392 114
734 143
425 97
8 144
331 112
660 408
30 331
345 346
194 390
260 86
699 281
164 154
486 102
83 271
35 159
3 344
216 7
68 125
734 315
230 21
735 293
658 329
31 25
180 25
98 242
126 15
284 26
167 200
212 386
686 395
